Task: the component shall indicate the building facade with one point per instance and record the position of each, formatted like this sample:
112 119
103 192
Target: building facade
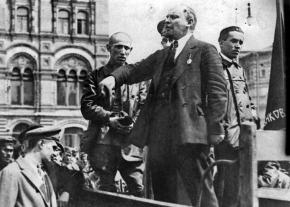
257 65
47 48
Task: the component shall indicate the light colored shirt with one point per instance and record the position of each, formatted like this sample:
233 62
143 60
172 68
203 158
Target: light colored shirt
35 167
181 43
240 94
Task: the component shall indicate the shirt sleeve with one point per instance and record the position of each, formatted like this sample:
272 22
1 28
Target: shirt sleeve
92 103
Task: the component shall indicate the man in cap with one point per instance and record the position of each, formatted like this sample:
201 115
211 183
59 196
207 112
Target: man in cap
240 109
165 42
184 109
6 150
23 182
111 120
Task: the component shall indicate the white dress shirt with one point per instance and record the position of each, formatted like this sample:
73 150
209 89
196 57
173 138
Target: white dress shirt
181 43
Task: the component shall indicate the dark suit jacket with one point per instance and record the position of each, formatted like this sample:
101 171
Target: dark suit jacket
198 88
20 186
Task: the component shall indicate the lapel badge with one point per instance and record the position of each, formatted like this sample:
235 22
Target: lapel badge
189 59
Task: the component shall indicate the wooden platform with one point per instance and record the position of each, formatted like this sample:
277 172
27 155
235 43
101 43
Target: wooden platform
254 146
107 199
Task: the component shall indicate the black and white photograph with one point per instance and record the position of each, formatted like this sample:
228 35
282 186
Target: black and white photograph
143 103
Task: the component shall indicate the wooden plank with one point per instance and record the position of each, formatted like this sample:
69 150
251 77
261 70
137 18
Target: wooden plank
248 166
274 193
271 145
108 199
264 202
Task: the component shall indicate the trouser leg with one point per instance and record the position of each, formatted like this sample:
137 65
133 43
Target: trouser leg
164 184
104 160
132 173
188 157
161 160
227 178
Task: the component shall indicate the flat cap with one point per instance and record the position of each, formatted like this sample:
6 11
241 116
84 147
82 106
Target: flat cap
44 132
226 30
22 135
7 139
160 26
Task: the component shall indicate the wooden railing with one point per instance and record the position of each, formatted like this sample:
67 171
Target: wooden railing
107 199
260 146
248 166
254 146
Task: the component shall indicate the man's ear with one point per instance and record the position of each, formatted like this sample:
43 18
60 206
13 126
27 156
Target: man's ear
40 144
190 22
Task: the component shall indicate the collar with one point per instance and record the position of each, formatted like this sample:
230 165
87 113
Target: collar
181 43
109 68
31 162
227 61
27 165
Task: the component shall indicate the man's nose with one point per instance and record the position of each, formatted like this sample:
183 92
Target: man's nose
123 50
238 45
54 154
10 154
167 20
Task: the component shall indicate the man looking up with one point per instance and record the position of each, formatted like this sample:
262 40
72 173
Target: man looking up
184 109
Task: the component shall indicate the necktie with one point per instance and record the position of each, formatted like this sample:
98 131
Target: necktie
172 51
229 64
235 63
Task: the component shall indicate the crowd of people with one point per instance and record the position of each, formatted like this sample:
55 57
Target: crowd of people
68 168
185 102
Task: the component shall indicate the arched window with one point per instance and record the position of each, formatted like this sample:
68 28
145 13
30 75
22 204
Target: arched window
63 22
22 80
82 23
19 128
16 86
72 136
22 19
72 88
22 87
61 88
28 87
73 71
82 77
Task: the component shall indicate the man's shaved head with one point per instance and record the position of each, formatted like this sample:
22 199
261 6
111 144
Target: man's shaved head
120 38
119 47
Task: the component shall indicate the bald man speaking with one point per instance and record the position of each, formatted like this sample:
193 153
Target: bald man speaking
111 119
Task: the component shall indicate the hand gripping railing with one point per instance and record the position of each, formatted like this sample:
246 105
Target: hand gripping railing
205 174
